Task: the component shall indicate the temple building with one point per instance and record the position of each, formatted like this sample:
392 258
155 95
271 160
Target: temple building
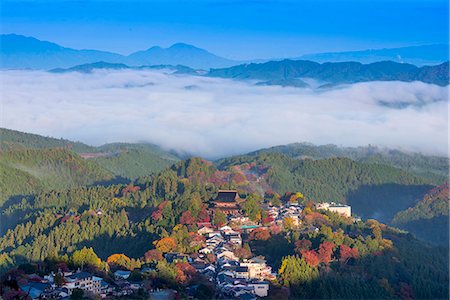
227 201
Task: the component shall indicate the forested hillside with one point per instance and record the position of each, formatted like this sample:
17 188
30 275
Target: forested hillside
28 171
426 165
428 219
13 139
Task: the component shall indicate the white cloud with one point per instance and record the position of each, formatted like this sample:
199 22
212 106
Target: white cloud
220 117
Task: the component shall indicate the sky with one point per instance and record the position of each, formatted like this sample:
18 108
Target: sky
235 29
214 117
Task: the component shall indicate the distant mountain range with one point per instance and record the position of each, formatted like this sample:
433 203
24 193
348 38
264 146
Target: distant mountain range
292 72
417 55
21 52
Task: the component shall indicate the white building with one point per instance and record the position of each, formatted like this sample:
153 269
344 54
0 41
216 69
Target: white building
342 209
84 281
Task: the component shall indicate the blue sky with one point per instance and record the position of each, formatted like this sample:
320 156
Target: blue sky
235 29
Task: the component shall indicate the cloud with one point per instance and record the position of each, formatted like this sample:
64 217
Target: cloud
216 117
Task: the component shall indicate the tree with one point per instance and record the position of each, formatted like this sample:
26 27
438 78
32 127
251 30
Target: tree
187 218
219 218
288 223
345 253
302 245
77 294
311 257
325 251
294 271
259 234
166 244
85 256
59 280
242 253
153 255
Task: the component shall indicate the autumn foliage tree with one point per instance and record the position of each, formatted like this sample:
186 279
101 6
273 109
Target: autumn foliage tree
325 251
302 245
187 218
311 257
346 253
153 255
166 244
259 234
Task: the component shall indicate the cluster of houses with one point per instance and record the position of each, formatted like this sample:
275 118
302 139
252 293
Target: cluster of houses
234 277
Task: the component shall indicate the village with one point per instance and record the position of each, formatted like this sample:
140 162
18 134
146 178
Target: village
233 277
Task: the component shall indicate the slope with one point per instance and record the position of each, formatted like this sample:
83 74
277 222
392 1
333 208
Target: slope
428 219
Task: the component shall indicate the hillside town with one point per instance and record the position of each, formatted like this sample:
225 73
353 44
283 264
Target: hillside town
233 277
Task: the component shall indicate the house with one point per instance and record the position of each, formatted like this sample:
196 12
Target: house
227 254
261 288
36 290
242 272
121 274
205 250
83 280
234 238
176 257
227 202
257 268
205 230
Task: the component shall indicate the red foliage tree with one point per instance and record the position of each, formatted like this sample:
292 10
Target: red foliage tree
259 234
156 215
267 220
311 257
187 218
345 253
203 215
153 255
326 251
275 229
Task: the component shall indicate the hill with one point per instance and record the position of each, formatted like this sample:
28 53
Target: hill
30 171
21 52
373 190
335 73
16 140
425 165
134 160
428 219
120 159
417 55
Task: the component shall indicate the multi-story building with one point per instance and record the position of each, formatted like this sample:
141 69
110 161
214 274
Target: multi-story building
84 281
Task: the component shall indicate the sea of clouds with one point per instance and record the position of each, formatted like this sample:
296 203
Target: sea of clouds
216 117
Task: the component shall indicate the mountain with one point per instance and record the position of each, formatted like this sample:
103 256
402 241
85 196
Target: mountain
335 73
21 52
416 55
179 54
428 219
101 65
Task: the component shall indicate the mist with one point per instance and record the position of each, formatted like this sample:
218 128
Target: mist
217 117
